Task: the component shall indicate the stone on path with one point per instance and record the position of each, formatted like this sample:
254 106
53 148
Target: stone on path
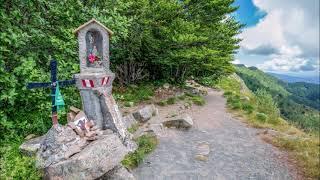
129 120
31 146
145 113
184 121
92 162
203 150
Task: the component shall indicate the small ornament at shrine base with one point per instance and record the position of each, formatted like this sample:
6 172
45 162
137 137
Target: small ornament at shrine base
59 102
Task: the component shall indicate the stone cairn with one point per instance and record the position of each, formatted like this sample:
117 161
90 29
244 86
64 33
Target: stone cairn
95 140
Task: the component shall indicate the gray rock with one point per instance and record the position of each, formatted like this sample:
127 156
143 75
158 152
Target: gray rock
195 88
129 120
145 113
60 143
184 121
92 162
31 146
166 85
203 150
118 173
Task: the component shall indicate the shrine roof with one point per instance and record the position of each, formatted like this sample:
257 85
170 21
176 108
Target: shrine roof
92 21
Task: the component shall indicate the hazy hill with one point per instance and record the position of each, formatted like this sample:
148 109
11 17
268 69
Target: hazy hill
293 79
298 102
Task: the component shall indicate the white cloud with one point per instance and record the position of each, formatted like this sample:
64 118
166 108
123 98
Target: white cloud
236 61
288 35
286 64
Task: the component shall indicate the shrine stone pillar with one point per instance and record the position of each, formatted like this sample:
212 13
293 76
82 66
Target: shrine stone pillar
95 78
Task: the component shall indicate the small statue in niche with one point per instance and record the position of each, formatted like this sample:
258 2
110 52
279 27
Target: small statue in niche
94 57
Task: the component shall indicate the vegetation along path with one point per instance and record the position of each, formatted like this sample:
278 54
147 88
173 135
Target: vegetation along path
236 152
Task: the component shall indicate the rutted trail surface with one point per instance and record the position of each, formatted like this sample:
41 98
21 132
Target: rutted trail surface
236 152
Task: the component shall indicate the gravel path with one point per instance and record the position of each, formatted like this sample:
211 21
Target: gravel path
236 152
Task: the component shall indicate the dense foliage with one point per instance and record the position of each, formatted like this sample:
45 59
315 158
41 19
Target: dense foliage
298 102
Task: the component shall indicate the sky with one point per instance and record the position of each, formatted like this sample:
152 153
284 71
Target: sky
280 36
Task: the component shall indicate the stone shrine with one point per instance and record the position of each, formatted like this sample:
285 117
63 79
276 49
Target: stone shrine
95 78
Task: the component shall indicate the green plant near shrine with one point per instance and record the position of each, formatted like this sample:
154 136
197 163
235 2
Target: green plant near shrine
198 100
146 144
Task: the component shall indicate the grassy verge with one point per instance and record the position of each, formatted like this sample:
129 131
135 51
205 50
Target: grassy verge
134 94
146 144
261 112
16 166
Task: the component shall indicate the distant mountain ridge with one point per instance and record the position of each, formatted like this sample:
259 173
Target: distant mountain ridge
293 79
298 102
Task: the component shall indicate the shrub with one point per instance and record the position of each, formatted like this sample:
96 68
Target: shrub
261 117
236 105
162 103
16 166
198 100
171 100
227 93
182 97
133 128
266 105
146 144
129 104
247 107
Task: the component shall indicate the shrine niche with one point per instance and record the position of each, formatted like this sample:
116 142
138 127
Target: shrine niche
93 39
94 48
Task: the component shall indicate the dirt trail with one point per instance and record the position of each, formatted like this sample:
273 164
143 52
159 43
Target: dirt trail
236 152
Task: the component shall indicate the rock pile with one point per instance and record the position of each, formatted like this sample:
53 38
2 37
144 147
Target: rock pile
80 150
195 88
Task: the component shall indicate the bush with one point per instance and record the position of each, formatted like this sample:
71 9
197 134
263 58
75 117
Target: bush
236 105
133 128
266 105
171 100
198 100
162 103
227 93
261 117
182 97
16 166
146 144
247 107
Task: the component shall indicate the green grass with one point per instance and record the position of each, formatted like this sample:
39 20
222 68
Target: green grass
162 103
133 128
261 117
16 166
171 100
134 94
198 100
146 144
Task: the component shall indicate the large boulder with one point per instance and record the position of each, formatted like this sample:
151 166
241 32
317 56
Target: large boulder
184 121
118 173
60 143
145 113
95 160
31 146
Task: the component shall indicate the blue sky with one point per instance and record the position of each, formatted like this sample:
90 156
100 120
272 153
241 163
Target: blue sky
280 35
